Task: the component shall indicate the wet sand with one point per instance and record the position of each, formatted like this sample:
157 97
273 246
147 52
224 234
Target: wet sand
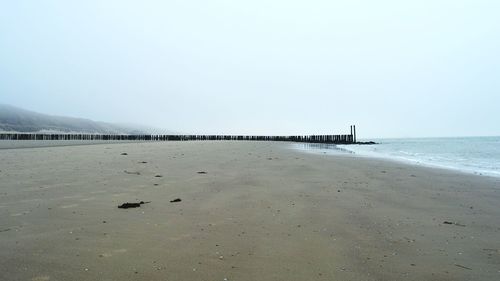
261 211
13 144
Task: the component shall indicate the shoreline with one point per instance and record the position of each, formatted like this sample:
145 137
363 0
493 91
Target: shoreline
335 150
261 211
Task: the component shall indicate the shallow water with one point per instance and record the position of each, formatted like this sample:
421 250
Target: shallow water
478 155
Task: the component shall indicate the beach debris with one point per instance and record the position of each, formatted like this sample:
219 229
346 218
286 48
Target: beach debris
131 173
132 205
464 267
202 172
158 176
124 153
453 223
142 162
4 230
176 200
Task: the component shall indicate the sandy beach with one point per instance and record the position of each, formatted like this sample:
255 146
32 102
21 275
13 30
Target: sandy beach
260 211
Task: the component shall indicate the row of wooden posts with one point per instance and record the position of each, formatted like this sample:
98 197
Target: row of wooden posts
335 139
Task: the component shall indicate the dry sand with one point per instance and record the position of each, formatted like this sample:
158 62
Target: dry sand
262 211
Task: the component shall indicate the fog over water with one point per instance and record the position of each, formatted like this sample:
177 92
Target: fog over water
393 68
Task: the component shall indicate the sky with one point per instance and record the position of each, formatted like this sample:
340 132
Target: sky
281 67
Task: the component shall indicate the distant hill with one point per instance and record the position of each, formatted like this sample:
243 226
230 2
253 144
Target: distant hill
14 119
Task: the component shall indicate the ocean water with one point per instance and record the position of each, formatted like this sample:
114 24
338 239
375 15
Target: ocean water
478 155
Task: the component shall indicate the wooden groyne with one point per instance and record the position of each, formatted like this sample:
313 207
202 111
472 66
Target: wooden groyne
334 139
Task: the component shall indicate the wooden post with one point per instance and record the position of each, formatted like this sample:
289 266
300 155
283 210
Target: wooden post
354 126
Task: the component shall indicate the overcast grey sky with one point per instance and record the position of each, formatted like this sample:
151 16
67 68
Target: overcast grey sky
393 68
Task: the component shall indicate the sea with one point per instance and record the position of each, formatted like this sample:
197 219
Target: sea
476 155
